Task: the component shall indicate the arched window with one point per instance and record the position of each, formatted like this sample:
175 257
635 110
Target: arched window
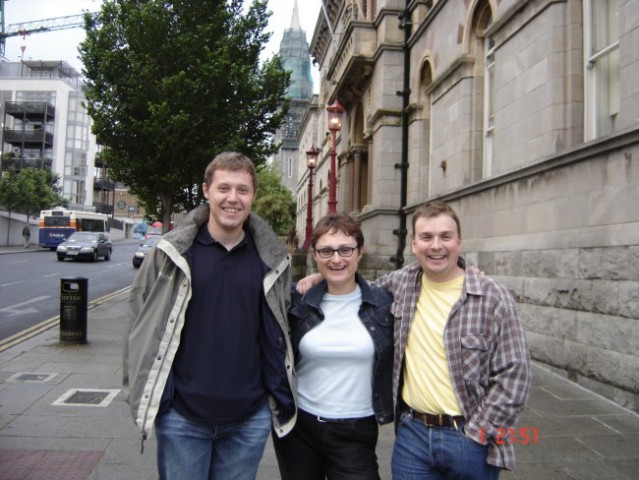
427 167
483 53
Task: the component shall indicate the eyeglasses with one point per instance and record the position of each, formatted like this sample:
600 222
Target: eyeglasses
343 252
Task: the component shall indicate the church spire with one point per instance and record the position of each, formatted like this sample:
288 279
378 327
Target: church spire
294 53
295 19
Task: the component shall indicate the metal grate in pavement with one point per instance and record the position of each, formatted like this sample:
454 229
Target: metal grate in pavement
86 398
47 464
29 377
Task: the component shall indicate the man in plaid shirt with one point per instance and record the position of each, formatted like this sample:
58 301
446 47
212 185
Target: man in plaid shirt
461 371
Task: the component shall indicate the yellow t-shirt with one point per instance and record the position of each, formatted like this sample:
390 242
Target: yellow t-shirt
427 382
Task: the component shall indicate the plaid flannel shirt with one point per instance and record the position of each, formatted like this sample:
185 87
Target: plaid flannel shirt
486 350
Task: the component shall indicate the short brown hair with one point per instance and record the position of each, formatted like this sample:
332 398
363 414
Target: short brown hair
232 161
435 209
337 222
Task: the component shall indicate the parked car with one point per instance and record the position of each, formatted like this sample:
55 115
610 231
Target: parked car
143 249
85 245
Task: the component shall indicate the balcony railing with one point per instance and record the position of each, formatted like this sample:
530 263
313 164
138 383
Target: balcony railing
30 110
28 137
103 184
20 163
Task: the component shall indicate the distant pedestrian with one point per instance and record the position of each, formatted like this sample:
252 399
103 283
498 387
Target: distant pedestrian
26 234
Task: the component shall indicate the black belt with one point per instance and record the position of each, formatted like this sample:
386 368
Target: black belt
436 420
321 419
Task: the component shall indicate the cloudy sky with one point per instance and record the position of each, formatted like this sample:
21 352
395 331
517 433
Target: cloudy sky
63 45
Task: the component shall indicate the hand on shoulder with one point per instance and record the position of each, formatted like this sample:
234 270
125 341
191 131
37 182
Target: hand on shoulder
308 282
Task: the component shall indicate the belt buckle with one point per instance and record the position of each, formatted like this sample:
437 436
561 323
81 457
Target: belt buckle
455 424
320 419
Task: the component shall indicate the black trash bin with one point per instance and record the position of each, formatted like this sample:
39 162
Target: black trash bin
73 310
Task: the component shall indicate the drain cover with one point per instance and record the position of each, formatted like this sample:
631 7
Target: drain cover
87 398
31 377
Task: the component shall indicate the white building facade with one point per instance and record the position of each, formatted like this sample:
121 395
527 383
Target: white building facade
45 125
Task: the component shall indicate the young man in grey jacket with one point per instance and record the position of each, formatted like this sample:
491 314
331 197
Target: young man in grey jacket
207 358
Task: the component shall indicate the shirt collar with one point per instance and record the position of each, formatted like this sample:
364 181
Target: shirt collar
204 238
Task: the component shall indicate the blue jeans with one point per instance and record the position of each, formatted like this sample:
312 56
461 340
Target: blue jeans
423 453
197 452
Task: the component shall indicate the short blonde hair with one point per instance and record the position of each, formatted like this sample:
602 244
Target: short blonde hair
231 161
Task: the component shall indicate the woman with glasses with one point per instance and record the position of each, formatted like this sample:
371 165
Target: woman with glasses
342 336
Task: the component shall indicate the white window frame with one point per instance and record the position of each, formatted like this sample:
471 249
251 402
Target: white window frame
489 106
601 66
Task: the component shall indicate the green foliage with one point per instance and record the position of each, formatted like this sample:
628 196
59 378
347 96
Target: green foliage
274 201
30 190
170 84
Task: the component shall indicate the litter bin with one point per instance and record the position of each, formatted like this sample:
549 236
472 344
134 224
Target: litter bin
73 310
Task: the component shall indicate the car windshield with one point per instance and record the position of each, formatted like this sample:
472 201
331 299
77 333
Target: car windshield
83 237
151 241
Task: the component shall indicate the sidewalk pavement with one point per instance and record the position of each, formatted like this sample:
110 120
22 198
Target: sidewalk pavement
62 415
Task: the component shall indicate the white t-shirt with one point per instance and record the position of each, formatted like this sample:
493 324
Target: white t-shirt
335 370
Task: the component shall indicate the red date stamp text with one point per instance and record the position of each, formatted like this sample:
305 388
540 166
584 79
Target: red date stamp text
512 436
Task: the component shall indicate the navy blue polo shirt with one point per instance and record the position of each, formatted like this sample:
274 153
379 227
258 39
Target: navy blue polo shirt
217 375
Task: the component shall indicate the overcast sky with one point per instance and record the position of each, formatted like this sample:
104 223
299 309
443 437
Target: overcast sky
63 45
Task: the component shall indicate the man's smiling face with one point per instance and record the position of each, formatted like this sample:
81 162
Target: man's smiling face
436 245
230 195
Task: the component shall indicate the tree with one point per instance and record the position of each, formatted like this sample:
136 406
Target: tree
274 201
170 84
29 190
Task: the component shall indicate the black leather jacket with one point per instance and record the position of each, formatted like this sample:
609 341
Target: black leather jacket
305 313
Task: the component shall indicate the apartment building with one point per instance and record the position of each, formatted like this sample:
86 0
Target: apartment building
45 125
522 114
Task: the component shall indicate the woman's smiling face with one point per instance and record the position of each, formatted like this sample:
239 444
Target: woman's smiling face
338 271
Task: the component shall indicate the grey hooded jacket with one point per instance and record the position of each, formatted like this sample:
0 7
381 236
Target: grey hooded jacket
157 306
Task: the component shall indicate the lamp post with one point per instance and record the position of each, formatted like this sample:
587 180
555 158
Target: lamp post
311 161
335 117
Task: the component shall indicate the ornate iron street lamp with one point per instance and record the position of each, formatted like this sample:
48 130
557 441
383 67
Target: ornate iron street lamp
335 117
311 162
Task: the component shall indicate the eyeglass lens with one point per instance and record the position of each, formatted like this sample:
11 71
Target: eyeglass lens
343 252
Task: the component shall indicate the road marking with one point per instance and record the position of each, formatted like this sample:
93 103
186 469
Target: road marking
16 310
52 322
11 283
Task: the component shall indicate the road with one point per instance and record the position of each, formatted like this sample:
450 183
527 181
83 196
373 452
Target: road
30 284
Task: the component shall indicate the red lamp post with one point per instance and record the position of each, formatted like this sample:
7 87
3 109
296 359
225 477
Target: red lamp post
335 117
311 162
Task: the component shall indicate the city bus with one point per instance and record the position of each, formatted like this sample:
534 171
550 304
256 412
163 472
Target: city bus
56 225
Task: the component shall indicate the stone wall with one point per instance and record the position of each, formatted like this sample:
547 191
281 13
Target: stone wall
580 307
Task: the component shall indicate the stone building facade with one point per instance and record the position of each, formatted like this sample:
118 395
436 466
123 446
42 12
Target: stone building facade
524 115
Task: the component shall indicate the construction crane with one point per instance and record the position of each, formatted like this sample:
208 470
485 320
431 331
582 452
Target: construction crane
37 26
